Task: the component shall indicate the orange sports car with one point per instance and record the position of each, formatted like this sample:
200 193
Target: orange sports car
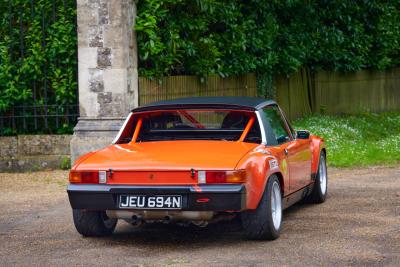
199 160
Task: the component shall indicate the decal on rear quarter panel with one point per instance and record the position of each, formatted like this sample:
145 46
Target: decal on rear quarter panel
284 167
273 164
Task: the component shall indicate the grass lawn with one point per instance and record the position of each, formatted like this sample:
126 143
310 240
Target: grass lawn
357 140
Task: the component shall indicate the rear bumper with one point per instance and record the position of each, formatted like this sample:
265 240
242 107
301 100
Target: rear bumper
229 197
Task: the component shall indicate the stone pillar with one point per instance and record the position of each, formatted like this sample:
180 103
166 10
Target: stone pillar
108 79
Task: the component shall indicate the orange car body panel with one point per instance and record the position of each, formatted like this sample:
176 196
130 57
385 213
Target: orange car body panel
257 165
299 162
317 145
170 163
173 162
168 156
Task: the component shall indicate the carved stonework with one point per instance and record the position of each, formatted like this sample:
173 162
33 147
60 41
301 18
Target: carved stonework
108 87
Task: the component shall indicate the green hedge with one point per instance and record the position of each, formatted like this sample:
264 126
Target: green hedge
38 54
233 37
200 37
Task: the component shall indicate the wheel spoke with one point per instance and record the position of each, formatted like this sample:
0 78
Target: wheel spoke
322 175
276 205
273 202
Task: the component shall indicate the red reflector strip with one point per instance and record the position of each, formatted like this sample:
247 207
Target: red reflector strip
221 177
197 188
202 200
83 177
215 177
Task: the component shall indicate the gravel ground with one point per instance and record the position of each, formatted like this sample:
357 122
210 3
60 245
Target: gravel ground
359 225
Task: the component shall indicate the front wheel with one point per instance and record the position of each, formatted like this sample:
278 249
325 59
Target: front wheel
93 223
265 222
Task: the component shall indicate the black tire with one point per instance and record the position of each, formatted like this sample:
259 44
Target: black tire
318 195
93 223
258 224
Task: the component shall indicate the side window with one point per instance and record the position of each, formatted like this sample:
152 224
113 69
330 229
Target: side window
277 124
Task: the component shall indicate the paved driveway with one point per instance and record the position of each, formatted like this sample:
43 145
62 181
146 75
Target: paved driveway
359 225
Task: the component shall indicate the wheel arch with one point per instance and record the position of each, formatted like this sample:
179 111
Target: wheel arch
323 150
259 168
281 181
318 147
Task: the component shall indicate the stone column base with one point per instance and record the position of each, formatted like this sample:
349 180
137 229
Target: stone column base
92 134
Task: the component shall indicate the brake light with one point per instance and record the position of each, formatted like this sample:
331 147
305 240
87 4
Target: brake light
221 177
83 177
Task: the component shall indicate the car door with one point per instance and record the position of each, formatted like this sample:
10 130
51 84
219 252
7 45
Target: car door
300 154
297 152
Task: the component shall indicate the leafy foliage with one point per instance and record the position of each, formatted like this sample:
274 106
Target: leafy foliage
38 53
357 140
231 37
65 163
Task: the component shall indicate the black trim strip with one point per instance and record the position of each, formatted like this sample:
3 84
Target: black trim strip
105 197
295 197
192 106
313 176
251 103
226 188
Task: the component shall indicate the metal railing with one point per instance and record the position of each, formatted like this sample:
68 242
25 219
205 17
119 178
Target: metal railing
42 112
48 119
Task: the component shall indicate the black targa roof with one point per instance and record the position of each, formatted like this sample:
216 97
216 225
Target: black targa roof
247 103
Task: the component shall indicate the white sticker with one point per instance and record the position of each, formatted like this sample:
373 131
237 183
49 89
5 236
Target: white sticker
273 164
263 151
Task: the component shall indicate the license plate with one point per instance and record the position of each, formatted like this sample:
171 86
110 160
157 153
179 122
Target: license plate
150 202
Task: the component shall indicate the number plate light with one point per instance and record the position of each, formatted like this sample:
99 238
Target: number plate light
102 177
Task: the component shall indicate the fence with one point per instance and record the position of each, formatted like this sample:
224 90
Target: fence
373 91
38 67
39 119
185 86
300 94
328 92
295 93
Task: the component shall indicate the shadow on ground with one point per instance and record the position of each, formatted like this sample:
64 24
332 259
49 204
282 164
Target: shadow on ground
159 234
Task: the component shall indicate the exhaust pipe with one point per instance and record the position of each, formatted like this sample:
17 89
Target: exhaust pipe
137 216
136 219
201 224
168 219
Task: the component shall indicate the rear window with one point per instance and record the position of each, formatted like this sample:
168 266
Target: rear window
193 125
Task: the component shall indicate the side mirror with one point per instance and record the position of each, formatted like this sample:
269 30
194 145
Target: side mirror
303 134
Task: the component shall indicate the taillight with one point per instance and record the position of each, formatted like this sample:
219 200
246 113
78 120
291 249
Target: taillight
83 177
221 177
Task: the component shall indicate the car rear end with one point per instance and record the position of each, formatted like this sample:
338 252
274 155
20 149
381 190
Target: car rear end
189 195
171 165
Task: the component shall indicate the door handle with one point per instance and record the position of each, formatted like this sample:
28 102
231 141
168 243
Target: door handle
286 151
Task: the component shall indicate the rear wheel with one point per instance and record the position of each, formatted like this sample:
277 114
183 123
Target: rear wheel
93 223
320 190
265 222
